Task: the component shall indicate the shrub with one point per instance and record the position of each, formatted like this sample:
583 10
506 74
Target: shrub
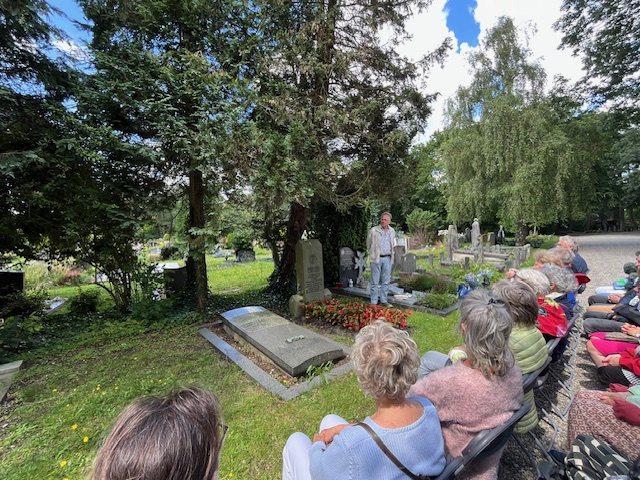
438 301
428 283
87 301
354 315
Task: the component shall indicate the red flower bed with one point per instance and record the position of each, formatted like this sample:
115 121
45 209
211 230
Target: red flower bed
354 315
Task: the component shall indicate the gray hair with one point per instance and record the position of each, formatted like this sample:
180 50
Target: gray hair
569 241
387 214
537 280
563 280
386 360
521 299
548 256
487 326
566 256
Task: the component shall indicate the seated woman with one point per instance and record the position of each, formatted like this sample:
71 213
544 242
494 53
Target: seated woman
622 368
483 390
612 416
176 437
563 282
386 362
552 321
599 346
526 342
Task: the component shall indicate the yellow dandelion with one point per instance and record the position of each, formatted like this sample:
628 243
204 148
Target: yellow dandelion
98 388
135 358
74 426
230 474
116 388
104 393
68 405
85 439
55 390
63 463
74 389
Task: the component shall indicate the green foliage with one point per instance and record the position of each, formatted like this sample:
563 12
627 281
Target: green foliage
424 225
607 40
241 240
429 282
335 229
438 301
319 371
503 154
86 301
20 321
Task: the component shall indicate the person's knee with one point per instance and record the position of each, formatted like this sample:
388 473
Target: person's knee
332 420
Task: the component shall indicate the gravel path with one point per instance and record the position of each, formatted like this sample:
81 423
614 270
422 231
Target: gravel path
605 254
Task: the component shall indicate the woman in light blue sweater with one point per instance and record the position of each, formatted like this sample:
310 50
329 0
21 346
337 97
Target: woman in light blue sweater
386 362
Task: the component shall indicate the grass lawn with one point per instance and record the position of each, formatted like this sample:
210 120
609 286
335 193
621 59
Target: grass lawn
63 401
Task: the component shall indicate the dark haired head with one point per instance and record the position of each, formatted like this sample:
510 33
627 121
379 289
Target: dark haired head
176 437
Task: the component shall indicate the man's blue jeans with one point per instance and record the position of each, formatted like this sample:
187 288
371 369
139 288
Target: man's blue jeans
380 278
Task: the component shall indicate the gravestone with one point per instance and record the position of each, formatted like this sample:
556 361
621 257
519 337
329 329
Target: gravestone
291 347
175 278
408 263
244 256
492 239
348 267
467 235
11 282
309 271
452 237
475 233
431 258
398 252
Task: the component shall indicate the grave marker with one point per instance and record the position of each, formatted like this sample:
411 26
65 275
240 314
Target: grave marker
309 271
292 347
409 263
347 267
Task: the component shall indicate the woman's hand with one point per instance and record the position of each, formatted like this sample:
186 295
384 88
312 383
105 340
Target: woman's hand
630 329
327 434
612 360
614 298
610 398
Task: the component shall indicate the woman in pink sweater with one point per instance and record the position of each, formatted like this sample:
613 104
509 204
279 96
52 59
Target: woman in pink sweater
483 390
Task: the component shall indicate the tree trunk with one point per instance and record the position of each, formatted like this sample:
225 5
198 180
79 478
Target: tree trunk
283 279
632 217
196 263
521 233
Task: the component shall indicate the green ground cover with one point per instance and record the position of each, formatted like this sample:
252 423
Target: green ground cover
66 396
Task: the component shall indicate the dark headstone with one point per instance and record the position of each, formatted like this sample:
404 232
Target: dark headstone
492 239
292 347
11 282
347 267
244 256
175 279
309 271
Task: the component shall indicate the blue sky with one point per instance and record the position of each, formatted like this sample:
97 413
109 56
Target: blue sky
461 22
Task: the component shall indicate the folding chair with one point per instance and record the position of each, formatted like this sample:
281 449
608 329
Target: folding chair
484 444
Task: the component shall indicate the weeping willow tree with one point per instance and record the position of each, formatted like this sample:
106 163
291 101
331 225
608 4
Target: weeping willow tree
504 155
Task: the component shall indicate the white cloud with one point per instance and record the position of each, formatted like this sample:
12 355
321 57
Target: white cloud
72 49
429 29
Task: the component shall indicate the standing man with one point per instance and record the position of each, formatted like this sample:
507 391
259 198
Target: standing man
380 246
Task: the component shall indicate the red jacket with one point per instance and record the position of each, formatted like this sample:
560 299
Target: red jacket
630 361
551 318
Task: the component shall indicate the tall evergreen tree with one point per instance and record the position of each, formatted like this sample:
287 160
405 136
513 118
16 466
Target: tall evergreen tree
337 110
172 74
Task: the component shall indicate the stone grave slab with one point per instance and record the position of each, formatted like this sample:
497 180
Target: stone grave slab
398 252
348 267
292 347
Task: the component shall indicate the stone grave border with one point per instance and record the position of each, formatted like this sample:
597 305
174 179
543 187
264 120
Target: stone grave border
398 303
262 377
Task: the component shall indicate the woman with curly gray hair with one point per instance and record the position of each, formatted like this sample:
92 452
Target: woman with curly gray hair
386 362
481 391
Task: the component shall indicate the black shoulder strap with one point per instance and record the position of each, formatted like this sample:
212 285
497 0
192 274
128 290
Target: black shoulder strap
391 456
